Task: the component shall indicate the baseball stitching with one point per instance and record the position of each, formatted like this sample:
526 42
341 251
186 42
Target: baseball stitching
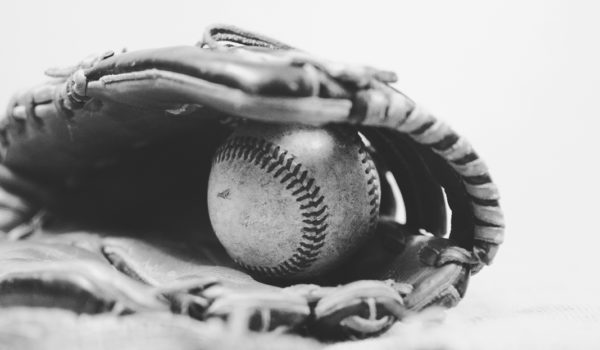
302 187
372 186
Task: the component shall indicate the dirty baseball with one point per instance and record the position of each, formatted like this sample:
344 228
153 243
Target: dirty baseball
290 201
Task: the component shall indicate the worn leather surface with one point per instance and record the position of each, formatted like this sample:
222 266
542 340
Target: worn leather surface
107 166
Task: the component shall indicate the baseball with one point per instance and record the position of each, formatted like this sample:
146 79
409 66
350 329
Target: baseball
290 201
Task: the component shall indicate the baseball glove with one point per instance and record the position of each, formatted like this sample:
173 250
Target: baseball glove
103 195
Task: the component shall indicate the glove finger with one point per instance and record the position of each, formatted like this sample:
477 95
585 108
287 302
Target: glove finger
179 261
63 276
201 280
233 82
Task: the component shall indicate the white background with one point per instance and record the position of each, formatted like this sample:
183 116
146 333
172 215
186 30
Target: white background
519 78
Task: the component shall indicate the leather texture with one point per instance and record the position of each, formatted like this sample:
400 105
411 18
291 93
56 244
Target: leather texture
103 184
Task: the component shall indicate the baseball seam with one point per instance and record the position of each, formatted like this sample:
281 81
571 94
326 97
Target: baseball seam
303 187
372 185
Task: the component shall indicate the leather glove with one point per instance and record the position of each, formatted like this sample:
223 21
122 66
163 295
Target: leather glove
103 181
